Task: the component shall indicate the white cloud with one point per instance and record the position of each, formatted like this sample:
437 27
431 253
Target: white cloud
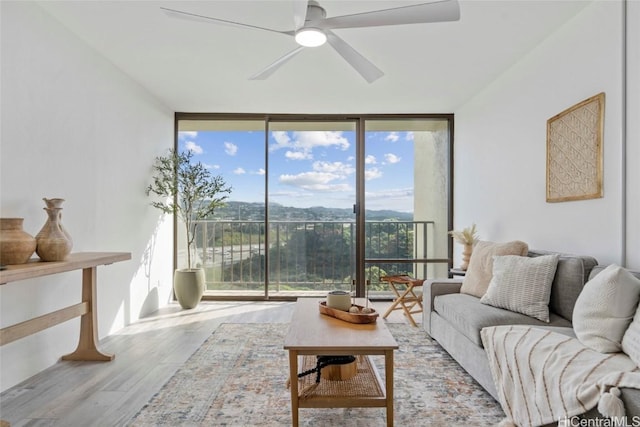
390 194
315 181
325 177
304 142
372 173
402 199
187 134
308 178
370 160
391 158
409 136
338 168
312 139
230 148
332 187
282 140
259 172
290 194
239 171
208 166
193 147
297 155
392 136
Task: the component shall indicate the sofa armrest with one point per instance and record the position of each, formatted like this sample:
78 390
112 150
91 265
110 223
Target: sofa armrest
431 289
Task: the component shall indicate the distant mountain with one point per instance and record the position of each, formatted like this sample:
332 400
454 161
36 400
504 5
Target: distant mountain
255 212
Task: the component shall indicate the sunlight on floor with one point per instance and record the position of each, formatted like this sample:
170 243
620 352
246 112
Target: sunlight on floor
175 316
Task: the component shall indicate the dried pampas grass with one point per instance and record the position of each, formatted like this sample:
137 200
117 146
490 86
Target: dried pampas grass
468 236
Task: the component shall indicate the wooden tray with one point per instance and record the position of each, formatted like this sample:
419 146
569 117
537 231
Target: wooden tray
348 317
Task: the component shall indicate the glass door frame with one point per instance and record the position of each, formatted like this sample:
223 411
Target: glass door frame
362 260
359 203
285 119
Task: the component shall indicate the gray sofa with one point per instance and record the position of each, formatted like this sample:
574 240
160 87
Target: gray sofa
454 320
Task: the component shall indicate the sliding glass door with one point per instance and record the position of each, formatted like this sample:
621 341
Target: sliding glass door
311 223
406 175
321 203
231 245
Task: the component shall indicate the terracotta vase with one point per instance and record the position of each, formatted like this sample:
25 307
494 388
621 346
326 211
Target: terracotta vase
16 245
466 256
52 241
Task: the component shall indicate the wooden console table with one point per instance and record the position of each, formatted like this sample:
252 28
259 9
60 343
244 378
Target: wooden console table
87 309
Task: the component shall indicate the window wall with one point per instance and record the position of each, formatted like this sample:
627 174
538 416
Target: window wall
321 202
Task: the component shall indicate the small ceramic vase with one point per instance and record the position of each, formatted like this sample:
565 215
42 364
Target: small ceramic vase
466 256
340 300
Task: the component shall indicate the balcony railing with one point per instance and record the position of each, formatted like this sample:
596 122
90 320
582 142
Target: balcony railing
307 256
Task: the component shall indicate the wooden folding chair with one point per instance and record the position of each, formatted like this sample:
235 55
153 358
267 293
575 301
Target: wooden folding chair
406 300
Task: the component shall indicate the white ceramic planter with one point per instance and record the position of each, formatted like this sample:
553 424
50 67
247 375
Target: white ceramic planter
188 286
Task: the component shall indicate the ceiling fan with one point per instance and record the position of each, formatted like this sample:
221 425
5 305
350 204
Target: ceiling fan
312 28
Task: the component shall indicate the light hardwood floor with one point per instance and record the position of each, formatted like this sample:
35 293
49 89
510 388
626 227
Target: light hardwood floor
148 353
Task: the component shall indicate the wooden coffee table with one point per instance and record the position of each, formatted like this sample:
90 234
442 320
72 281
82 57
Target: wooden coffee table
313 333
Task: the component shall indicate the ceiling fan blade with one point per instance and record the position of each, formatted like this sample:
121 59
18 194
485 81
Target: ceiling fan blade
201 18
361 64
299 13
436 11
275 65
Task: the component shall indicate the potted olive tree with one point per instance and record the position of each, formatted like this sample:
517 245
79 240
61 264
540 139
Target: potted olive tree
189 190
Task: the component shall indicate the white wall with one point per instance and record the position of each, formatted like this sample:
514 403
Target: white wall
500 144
74 126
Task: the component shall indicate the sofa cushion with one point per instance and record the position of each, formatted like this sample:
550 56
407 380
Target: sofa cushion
468 315
605 308
480 270
631 339
522 284
572 273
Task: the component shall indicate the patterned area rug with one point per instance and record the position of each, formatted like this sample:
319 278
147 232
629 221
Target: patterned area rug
238 378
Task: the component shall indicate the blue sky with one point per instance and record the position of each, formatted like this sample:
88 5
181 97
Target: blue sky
309 168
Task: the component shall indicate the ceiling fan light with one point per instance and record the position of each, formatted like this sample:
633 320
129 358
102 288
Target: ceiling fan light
310 37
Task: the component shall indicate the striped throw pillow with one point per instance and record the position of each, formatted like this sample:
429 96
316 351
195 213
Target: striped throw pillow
522 284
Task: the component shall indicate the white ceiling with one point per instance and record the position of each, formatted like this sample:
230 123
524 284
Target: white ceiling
201 67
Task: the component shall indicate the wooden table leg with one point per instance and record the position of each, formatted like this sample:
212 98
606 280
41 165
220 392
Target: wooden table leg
293 375
88 342
388 375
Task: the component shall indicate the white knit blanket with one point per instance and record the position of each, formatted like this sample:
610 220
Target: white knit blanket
544 377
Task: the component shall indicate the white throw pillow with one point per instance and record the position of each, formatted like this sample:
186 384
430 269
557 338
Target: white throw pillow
605 308
631 339
522 284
